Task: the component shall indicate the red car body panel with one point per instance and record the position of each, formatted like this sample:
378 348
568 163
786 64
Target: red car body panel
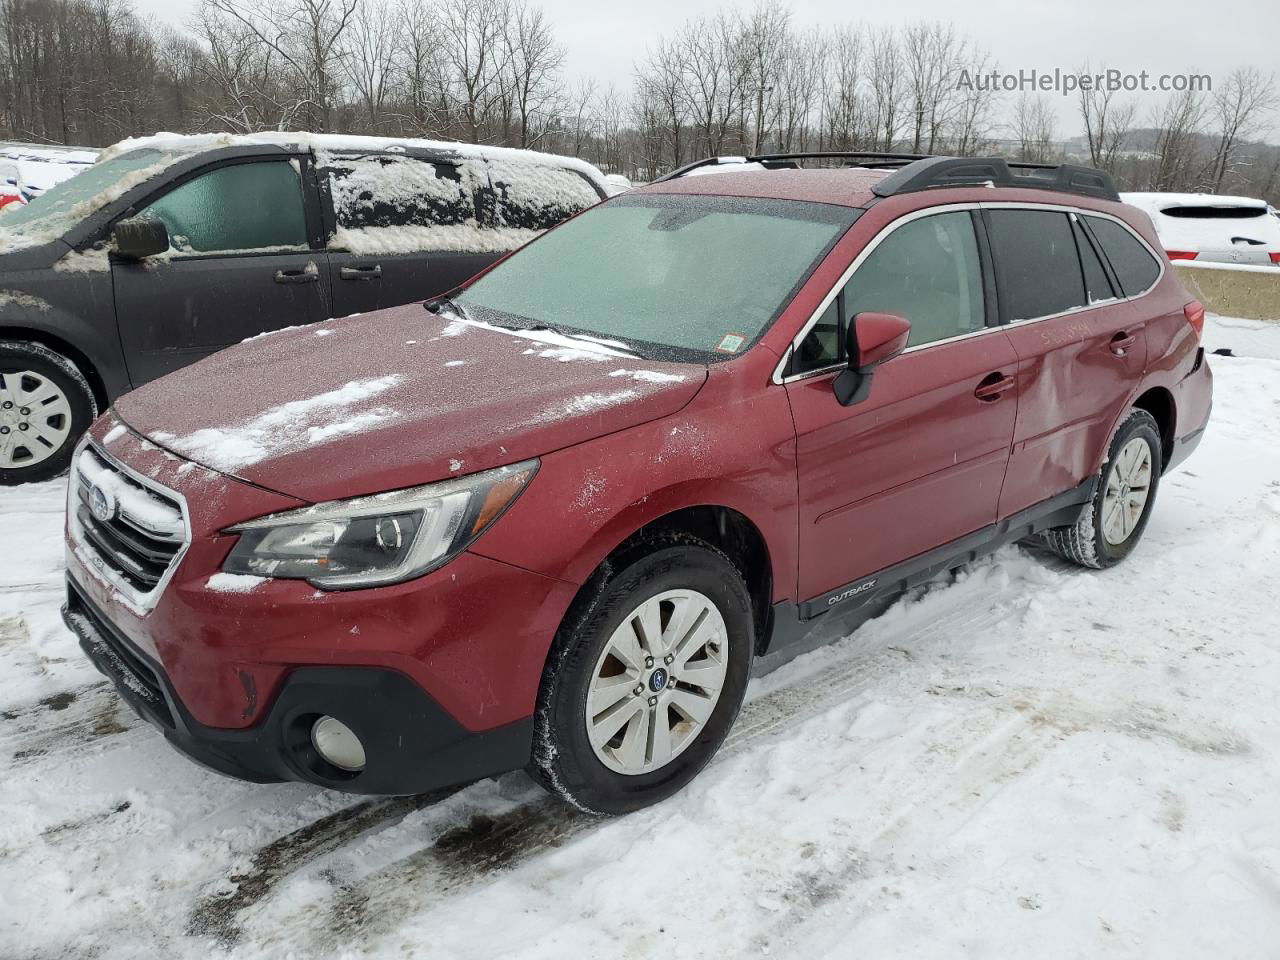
836 493
446 397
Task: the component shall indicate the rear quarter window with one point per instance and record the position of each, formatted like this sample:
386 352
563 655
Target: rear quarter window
1134 266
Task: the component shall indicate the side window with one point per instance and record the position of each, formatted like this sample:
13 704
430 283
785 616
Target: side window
534 196
372 192
1036 256
1096 284
248 206
928 271
1135 268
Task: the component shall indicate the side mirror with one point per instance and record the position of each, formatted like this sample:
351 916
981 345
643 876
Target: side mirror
140 237
873 338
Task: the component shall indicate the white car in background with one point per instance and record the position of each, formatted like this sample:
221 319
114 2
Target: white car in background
1208 228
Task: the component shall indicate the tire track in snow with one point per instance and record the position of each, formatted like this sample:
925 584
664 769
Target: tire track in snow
64 723
488 844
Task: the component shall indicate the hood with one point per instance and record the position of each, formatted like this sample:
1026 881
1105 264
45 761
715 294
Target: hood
397 398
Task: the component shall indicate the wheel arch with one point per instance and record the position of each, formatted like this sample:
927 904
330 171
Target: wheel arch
78 357
1159 402
725 528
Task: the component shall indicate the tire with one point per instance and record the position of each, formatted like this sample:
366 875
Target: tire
1107 532
59 406
677 576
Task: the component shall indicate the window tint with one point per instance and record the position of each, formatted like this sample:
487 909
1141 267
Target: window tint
1038 264
1096 283
821 347
928 271
250 206
386 190
1135 268
534 197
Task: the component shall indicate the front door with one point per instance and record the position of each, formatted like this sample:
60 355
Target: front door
240 263
920 461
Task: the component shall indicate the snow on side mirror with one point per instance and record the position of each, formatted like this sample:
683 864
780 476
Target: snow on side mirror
140 237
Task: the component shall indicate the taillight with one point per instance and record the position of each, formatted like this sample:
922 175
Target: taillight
1181 254
1194 312
1275 257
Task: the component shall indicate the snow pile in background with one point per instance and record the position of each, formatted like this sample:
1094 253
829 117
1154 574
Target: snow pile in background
285 428
40 167
1245 338
1019 759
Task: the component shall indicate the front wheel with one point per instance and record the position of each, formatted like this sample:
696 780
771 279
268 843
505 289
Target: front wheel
45 405
1113 522
644 683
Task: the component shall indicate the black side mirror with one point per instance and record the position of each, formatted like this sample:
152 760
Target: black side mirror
140 237
873 338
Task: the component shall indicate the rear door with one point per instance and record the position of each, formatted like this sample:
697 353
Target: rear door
241 262
919 462
402 227
1080 346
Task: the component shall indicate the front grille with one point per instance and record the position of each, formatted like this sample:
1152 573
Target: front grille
138 530
117 658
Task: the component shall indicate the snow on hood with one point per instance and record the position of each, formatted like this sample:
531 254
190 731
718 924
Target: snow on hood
398 398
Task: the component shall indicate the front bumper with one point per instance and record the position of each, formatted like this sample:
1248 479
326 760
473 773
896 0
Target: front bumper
412 744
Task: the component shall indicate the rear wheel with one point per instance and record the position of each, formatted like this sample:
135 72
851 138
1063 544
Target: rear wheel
1114 521
645 680
45 405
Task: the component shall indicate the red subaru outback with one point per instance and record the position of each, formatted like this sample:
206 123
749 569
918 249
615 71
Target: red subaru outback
557 519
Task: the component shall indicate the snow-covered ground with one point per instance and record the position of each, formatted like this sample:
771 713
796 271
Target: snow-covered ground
1023 759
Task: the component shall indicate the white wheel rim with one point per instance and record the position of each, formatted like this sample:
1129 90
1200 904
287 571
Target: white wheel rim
1127 491
35 419
657 682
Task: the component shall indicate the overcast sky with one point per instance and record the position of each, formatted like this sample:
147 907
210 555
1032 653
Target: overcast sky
1173 36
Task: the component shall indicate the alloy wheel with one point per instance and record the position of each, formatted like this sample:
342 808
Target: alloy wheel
657 681
1128 487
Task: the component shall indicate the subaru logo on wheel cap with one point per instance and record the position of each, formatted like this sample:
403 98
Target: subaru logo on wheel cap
101 504
658 680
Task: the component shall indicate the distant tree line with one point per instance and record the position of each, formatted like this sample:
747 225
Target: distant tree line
90 72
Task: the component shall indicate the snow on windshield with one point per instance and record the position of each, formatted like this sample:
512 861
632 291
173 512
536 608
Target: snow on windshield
50 215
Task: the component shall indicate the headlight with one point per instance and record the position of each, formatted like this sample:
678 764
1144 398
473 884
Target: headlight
380 539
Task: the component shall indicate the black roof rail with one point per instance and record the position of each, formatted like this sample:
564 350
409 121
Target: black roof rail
787 161
937 172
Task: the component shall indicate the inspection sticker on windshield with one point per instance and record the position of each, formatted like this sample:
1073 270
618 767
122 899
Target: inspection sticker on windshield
731 343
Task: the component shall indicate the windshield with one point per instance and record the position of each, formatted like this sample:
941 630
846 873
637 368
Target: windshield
693 277
63 205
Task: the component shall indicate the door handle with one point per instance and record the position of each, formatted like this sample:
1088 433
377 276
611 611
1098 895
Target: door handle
307 274
362 273
1121 343
993 387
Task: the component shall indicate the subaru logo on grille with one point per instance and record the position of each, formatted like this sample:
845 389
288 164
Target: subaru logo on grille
101 504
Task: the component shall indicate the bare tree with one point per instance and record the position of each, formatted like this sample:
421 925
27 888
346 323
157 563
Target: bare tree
535 59
845 106
1033 127
886 83
1107 122
1240 108
763 44
368 56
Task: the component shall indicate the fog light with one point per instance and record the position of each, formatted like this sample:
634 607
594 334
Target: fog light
338 744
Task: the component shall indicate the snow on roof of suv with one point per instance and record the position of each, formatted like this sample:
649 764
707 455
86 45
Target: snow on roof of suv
1209 227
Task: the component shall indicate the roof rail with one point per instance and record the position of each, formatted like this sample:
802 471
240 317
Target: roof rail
936 172
787 161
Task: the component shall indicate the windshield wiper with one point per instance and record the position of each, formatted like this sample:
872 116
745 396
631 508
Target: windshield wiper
435 303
